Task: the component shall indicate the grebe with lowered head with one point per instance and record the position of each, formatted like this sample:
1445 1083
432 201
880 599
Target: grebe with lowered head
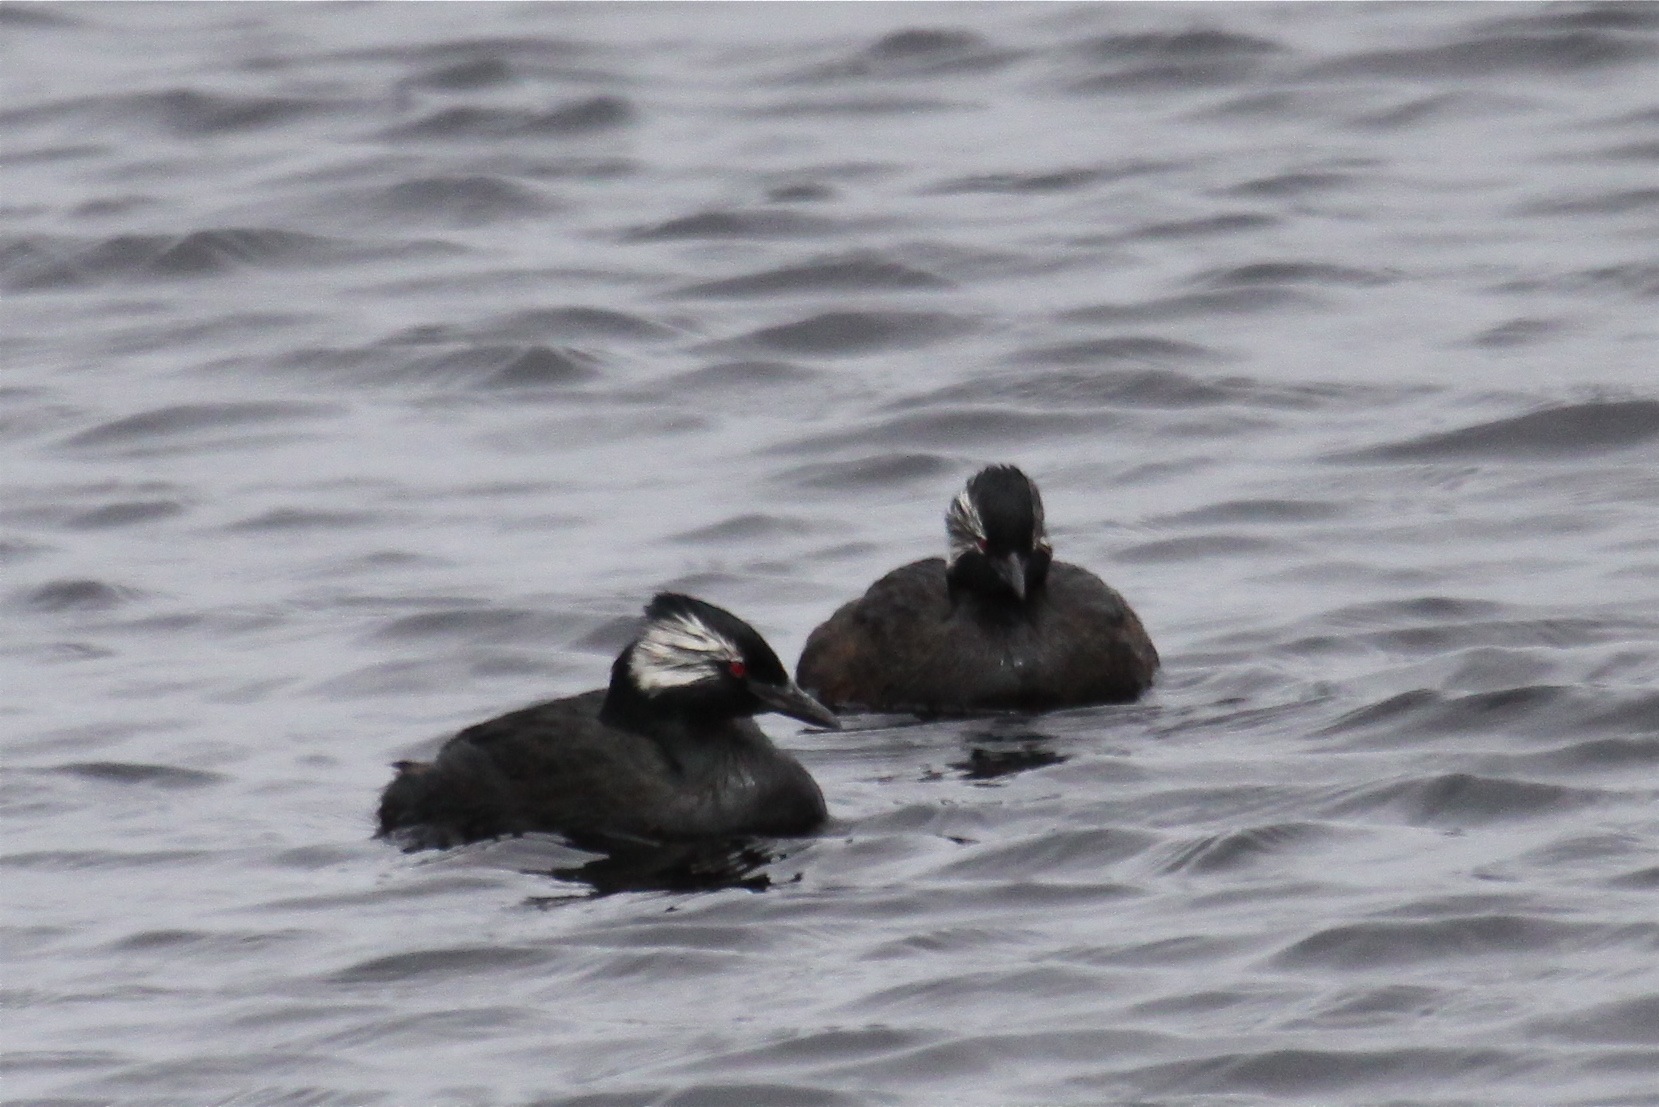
998 625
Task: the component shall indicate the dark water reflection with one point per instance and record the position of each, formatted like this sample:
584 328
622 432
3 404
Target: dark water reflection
704 867
988 762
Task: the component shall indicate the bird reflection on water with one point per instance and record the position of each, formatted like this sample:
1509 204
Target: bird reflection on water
709 866
1006 757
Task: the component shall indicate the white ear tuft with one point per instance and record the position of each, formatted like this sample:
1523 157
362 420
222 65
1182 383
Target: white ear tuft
963 526
678 651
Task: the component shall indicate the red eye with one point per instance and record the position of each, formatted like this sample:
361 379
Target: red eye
738 669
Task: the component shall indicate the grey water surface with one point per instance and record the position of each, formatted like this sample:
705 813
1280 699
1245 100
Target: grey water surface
367 367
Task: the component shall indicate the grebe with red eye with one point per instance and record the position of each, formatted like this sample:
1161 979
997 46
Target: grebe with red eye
997 625
668 752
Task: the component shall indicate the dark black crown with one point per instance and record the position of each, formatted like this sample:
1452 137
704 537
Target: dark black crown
1010 507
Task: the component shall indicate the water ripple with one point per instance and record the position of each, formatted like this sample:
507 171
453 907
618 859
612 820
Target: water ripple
1569 431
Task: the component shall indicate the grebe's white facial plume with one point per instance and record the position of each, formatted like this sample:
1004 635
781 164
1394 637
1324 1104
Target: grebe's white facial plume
678 650
963 526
